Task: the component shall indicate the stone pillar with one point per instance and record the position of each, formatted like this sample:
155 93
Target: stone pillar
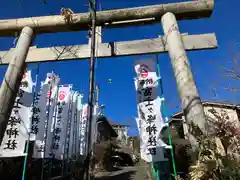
191 103
13 76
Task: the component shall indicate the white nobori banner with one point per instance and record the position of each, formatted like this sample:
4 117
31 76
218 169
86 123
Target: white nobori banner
150 121
79 121
46 105
18 128
61 116
73 130
152 145
83 129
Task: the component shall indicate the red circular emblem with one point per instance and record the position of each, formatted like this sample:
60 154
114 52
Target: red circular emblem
48 93
24 75
62 95
144 74
85 111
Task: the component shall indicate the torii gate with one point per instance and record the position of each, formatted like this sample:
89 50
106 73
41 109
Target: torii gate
172 42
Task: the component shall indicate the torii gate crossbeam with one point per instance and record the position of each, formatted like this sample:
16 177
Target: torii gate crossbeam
111 18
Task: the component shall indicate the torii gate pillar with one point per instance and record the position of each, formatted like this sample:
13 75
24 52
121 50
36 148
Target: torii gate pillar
13 77
191 103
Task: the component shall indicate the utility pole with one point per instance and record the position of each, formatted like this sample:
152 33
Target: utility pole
13 76
94 133
92 9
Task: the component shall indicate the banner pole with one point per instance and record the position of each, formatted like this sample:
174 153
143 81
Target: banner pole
28 141
165 113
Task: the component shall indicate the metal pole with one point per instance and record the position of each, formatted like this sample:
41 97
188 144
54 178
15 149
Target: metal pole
92 9
95 125
191 102
13 77
35 101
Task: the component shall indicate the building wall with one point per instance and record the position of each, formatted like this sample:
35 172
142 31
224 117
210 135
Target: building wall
134 144
229 113
103 134
104 130
122 132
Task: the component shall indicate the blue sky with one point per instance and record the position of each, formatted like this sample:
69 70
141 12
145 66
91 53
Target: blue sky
119 97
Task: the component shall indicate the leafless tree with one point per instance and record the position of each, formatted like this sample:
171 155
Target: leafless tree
228 71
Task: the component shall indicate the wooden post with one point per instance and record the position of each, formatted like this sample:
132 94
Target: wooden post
191 103
13 77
